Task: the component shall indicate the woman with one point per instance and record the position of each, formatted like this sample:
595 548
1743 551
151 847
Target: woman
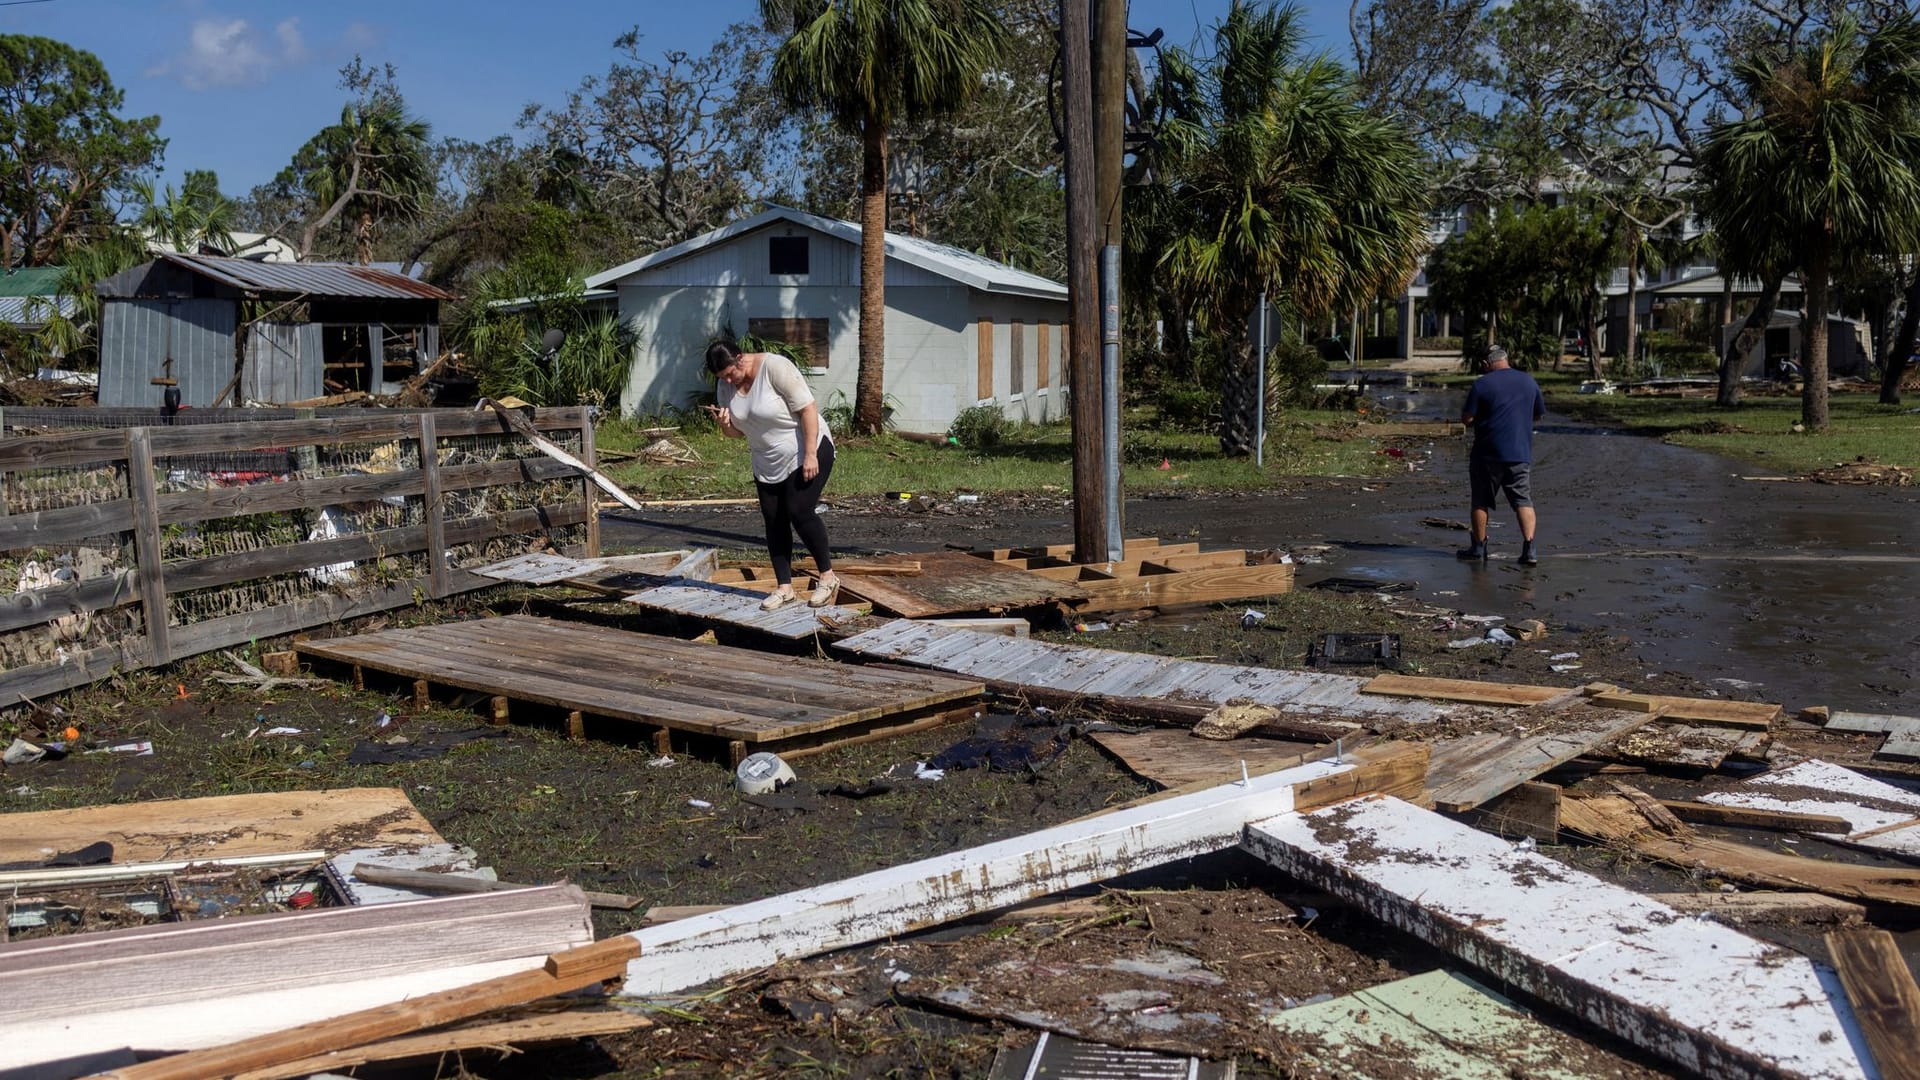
764 399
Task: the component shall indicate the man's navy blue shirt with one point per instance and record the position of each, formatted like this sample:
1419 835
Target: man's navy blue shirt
1504 404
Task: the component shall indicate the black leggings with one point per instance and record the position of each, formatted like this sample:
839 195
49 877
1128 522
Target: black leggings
788 508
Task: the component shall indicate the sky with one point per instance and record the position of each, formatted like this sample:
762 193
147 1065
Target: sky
240 84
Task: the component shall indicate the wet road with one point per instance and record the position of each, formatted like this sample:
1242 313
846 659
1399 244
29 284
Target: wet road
1809 591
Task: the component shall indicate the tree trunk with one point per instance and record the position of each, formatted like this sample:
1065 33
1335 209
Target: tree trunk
1735 357
1239 390
1813 399
1895 369
1631 344
870 390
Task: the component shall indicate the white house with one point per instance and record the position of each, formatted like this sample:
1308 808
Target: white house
961 330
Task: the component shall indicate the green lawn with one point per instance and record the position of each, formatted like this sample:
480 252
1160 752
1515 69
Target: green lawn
1759 430
1031 458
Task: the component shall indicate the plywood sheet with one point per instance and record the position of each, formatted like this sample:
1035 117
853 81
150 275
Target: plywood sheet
953 582
1880 816
1171 757
1498 766
334 820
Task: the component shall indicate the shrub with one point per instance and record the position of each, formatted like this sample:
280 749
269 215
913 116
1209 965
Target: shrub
1294 368
980 427
1437 344
1672 353
1188 406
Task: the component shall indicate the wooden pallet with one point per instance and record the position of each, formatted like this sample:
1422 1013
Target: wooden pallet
685 692
1151 574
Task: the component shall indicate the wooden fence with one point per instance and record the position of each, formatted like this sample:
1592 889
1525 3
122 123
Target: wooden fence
138 546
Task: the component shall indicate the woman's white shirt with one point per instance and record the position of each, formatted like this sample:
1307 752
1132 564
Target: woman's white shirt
769 414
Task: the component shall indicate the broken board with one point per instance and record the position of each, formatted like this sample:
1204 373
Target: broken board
1333 701
1170 757
953 583
1462 781
547 568
1684 746
1880 816
740 607
750 698
1704 996
1466 690
222 826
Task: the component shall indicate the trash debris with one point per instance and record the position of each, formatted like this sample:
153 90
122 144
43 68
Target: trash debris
1354 649
922 772
1091 627
700 804
143 748
22 752
1529 629
1565 656
430 745
760 773
1234 719
1252 618
1001 755
966 498
1564 668
664 761
1359 585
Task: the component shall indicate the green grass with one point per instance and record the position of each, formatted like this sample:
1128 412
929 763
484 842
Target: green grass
1031 458
1759 430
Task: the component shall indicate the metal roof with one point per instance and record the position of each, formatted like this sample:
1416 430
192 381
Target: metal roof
32 310
309 279
977 271
30 281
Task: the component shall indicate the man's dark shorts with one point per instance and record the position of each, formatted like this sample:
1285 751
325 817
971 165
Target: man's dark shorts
1490 478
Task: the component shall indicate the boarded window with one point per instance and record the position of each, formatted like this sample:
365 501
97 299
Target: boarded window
808 338
985 350
1017 357
786 255
1040 356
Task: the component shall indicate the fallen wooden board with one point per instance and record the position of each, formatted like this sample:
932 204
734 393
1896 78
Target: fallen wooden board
1884 997
1683 746
1335 702
1746 817
1612 818
1804 906
1502 766
1880 817
1171 758
1467 690
1435 1025
1740 714
741 607
1704 996
497 1035
1186 587
710 690
198 984
1867 723
952 583
562 972
872 906
1531 810
547 568
269 823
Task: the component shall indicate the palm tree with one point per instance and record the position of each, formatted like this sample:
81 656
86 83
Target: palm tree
874 64
373 164
1826 155
1291 187
195 215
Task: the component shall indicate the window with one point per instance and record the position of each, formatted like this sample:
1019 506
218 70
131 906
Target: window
786 255
809 335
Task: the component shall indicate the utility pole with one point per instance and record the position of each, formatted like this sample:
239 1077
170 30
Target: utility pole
1109 152
1083 232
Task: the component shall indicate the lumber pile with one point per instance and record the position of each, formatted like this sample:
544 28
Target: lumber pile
1152 574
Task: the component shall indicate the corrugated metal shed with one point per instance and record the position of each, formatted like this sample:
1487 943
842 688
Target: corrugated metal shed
137 336
32 310
283 363
310 279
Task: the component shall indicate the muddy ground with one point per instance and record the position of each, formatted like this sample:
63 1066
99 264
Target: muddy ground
609 816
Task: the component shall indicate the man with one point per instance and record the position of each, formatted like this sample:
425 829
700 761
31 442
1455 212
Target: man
1501 409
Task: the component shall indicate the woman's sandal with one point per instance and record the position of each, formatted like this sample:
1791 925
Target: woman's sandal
824 593
775 601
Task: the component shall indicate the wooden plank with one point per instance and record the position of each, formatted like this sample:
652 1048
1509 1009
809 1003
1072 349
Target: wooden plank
1696 993
497 1035
140 966
589 458
1467 690
76 669
36 607
1010 627
931 891
1879 815
736 606
1681 746
1612 818
222 825
434 508
1193 587
1865 723
432 881
1884 997
951 583
597 963
1172 758
1810 906
1903 743
1706 813
1532 809
146 544
310 492
1515 760
66 525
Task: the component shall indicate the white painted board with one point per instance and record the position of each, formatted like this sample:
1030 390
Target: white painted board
1821 787
1697 993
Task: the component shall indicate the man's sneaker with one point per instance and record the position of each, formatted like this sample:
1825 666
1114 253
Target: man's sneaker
1527 557
1475 550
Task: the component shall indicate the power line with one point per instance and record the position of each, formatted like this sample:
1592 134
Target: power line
20 3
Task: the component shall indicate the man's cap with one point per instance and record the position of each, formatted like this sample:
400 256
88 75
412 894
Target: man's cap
1496 354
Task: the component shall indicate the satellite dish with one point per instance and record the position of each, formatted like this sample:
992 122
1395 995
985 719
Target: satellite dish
551 341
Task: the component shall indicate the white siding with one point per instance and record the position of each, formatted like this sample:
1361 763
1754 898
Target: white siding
742 261
1035 404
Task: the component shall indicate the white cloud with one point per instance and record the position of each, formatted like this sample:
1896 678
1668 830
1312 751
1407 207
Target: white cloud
359 35
232 52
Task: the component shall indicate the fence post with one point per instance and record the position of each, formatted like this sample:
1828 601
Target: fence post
587 488
4 511
439 580
146 543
